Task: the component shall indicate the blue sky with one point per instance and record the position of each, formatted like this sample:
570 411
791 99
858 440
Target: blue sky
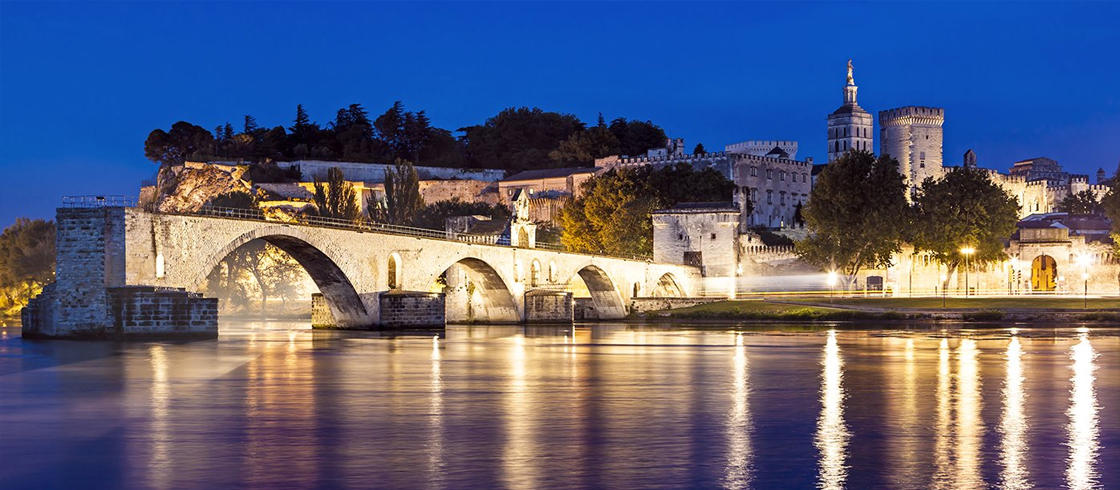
82 84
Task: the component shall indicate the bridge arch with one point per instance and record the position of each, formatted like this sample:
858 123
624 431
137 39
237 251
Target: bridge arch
498 302
604 294
319 261
667 287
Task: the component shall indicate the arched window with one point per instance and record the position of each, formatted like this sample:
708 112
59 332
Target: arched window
535 273
394 275
552 272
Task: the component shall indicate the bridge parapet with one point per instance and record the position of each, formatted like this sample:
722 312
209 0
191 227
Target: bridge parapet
103 246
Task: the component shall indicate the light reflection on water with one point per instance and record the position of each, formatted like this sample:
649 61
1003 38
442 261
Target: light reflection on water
1081 474
269 406
1013 425
738 474
832 434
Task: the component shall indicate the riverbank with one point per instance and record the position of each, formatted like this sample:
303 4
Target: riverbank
1019 310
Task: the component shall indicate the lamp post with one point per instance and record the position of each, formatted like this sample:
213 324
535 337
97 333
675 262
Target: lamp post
966 251
1084 260
831 285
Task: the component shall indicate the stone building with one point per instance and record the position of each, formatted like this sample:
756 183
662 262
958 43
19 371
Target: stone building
776 183
1051 253
562 180
765 148
913 136
1040 184
849 127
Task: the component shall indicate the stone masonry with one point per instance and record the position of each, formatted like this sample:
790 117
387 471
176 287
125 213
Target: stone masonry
104 248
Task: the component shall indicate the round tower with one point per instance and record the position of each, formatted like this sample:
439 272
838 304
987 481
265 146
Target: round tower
849 127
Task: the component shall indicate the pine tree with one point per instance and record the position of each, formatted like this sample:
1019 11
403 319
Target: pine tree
250 125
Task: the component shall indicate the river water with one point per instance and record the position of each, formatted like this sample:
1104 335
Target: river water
275 405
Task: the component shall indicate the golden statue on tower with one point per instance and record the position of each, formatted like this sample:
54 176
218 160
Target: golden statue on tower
851 81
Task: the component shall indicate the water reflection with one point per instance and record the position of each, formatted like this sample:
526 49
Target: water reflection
738 473
517 460
942 436
490 407
159 458
832 434
970 427
1083 430
1013 422
435 406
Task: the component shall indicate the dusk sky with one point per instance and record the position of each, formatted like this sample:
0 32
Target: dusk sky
82 84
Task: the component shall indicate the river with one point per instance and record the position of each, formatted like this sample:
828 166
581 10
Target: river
276 405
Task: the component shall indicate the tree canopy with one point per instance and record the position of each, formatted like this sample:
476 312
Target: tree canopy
434 216
613 213
1084 202
402 196
519 138
857 212
514 139
334 197
963 208
26 261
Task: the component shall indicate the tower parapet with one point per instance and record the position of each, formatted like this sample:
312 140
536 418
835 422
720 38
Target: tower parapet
913 136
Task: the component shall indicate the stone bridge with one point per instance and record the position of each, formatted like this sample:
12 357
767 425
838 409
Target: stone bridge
108 256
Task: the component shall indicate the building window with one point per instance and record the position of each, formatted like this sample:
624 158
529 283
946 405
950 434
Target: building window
680 236
782 198
804 177
754 171
713 236
769 173
394 281
769 197
782 176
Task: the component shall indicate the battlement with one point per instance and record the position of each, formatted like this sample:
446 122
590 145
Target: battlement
912 115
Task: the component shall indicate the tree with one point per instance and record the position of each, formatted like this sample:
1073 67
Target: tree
637 137
699 149
335 197
250 126
26 261
584 147
613 213
402 196
963 208
434 216
1084 202
234 199
182 141
856 214
518 138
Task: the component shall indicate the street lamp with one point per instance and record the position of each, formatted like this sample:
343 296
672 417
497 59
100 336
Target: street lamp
966 251
831 284
1084 261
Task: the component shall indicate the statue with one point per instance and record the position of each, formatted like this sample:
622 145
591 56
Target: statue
851 81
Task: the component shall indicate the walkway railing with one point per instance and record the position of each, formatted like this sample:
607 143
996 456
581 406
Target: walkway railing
98 202
363 225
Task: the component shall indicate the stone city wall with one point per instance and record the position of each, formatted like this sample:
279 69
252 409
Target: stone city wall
543 306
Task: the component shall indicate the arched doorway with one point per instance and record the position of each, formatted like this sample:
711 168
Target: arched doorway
1044 273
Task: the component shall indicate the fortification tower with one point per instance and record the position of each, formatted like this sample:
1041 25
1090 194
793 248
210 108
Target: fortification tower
849 127
912 135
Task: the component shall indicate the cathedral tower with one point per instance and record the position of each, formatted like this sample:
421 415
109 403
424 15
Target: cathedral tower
849 127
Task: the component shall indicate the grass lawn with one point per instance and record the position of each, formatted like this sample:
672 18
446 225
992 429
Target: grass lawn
761 310
931 303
